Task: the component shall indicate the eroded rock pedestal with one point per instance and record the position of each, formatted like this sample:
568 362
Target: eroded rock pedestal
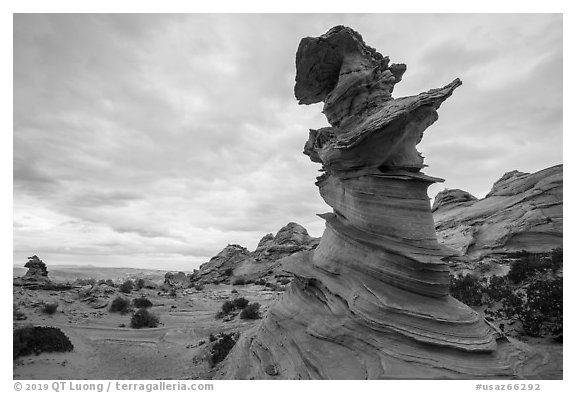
372 300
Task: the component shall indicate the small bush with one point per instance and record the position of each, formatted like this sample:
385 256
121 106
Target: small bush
49 308
467 289
221 346
542 312
172 292
143 318
284 281
126 287
38 339
228 272
140 283
101 282
529 264
260 281
251 311
19 315
199 287
240 303
142 302
121 305
110 283
239 281
227 306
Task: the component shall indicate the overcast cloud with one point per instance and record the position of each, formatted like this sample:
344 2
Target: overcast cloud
156 140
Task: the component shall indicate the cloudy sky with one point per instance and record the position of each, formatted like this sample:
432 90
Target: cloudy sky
156 140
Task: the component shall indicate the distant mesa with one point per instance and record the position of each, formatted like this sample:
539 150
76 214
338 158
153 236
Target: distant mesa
523 211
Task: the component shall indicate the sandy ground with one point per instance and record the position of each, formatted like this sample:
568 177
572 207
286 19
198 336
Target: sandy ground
105 350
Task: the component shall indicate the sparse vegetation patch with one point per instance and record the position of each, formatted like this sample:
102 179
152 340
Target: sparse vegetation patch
38 339
121 305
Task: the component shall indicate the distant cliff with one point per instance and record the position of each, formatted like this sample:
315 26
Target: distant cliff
523 211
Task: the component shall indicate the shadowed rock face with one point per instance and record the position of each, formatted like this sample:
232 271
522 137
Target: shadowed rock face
372 300
523 211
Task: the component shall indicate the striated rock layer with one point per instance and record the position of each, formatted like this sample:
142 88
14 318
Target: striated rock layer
523 211
264 262
372 300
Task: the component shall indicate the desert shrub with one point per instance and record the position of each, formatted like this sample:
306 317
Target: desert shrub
172 292
143 318
529 264
260 281
38 339
221 346
120 304
542 311
234 291
142 302
49 308
227 306
468 289
251 311
284 281
228 272
556 258
110 283
240 303
199 287
150 285
140 283
101 282
127 286
498 288
239 281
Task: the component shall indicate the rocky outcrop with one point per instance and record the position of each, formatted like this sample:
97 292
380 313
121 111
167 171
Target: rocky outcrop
36 269
265 262
372 300
221 266
523 211
177 279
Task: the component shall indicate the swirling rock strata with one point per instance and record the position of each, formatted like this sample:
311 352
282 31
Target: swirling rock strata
265 262
372 300
523 211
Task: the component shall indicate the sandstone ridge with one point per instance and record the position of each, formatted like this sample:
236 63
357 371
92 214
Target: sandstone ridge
266 261
523 211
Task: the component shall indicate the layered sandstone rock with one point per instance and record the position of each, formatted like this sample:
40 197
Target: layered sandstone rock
372 300
523 211
265 262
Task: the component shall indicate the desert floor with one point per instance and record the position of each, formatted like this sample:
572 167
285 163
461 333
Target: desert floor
105 349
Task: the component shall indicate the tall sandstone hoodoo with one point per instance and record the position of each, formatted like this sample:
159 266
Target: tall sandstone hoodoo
372 300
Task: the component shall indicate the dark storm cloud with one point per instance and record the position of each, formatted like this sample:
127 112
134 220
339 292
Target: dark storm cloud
166 137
